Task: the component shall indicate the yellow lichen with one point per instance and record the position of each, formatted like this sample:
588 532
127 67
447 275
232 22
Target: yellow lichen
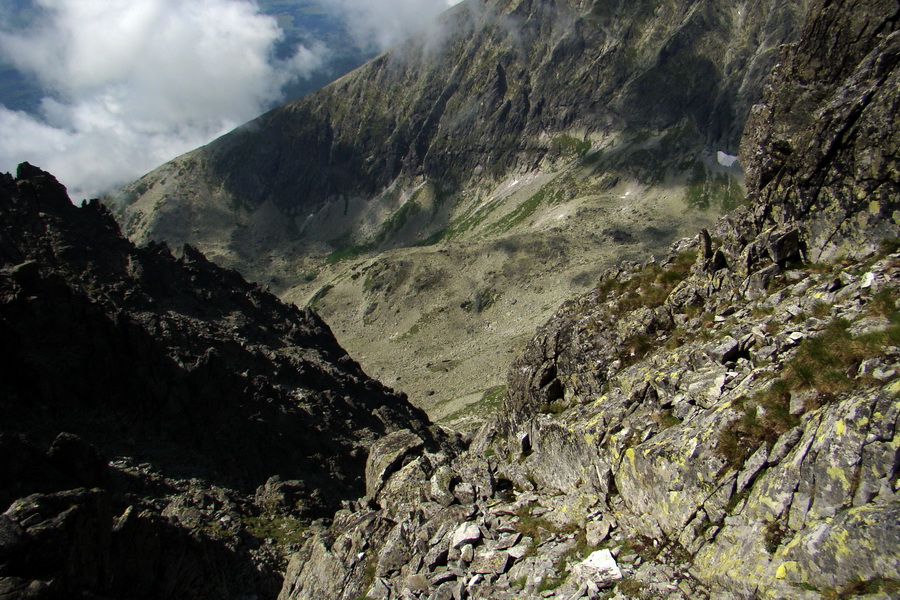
838 473
785 568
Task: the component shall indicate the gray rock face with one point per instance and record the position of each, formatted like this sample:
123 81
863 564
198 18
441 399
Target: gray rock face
821 117
387 455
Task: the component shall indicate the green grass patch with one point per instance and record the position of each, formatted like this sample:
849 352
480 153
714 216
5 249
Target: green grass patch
488 405
518 215
826 363
285 531
391 227
829 361
368 578
649 287
317 297
534 527
554 408
567 145
742 437
466 222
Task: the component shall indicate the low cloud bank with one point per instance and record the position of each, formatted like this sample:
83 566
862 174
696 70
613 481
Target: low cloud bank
131 84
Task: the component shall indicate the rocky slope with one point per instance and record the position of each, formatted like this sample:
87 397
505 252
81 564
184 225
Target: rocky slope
722 423
189 415
492 157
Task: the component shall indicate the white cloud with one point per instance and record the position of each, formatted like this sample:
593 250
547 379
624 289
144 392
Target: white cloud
378 24
134 83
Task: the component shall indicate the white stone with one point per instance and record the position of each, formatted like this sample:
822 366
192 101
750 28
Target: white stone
600 568
465 534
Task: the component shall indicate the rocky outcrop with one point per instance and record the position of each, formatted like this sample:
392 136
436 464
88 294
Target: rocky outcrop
720 423
182 362
822 147
195 425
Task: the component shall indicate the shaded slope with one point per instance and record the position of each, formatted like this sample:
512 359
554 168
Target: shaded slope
515 138
176 361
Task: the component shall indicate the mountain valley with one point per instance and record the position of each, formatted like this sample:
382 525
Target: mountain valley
469 150
657 376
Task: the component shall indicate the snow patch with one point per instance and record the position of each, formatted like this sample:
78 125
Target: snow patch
726 160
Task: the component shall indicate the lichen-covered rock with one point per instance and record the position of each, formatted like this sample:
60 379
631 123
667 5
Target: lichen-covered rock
387 456
822 147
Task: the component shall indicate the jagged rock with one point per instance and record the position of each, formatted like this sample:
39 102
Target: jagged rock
387 456
333 564
205 376
840 109
181 367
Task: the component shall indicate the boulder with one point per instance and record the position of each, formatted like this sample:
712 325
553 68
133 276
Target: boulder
387 455
599 568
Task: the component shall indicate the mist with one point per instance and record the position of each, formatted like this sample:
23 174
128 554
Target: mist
131 84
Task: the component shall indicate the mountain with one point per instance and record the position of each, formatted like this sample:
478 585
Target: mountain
437 203
719 423
147 397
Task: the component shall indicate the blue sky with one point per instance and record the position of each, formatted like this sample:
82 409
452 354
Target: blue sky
130 84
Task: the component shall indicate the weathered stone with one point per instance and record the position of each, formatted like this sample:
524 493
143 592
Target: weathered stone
725 350
379 590
519 550
600 568
445 591
395 553
465 493
785 444
386 456
441 485
507 541
785 247
756 462
491 562
417 583
596 532
466 533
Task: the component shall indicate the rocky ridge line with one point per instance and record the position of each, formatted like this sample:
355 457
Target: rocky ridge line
168 428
